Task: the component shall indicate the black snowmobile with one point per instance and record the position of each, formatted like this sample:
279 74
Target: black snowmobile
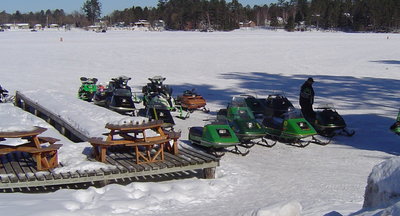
116 96
158 94
101 95
158 101
257 105
329 123
283 122
4 96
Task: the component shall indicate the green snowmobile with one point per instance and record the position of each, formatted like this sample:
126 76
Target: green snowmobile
87 89
217 137
286 124
243 123
395 127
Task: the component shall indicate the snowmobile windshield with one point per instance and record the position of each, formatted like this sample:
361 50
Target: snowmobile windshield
243 114
293 114
123 92
239 102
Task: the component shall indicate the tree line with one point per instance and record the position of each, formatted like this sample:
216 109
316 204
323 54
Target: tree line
345 15
44 18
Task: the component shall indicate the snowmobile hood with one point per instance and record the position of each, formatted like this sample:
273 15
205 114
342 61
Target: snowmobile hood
248 128
219 135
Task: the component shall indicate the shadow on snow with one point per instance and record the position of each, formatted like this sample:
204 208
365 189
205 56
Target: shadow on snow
368 94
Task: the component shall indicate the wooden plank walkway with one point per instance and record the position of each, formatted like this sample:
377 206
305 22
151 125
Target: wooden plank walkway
18 173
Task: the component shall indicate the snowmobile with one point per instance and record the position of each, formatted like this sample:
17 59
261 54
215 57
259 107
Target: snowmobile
158 101
243 123
395 127
157 98
117 96
156 93
191 100
101 95
87 89
329 123
256 105
217 138
4 96
286 124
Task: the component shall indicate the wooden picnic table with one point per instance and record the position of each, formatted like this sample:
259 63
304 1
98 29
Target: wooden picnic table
148 147
46 157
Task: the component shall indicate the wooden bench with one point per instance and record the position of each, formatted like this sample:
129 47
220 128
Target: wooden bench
143 150
148 147
146 155
173 135
100 147
46 157
50 140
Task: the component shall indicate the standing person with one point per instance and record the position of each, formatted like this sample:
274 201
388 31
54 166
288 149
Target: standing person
307 99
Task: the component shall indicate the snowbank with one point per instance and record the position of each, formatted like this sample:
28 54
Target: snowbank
382 193
383 184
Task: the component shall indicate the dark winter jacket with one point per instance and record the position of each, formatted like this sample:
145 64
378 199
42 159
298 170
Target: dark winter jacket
306 94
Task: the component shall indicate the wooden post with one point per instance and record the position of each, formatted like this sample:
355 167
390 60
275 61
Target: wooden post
25 106
63 130
209 173
17 101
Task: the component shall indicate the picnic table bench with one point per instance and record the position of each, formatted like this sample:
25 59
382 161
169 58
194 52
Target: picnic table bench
46 156
147 147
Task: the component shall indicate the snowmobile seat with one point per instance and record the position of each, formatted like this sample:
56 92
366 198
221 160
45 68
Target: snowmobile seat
277 121
196 131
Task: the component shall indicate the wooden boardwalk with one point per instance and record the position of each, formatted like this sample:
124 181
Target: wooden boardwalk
18 173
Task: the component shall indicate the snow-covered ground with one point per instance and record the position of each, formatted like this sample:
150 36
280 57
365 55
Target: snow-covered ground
358 73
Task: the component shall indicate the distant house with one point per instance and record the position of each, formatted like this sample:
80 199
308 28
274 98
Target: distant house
22 26
7 26
301 26
249 24
54 26
142 25
281 21
15 26
38 27
94 28
159 25
98 27
120 25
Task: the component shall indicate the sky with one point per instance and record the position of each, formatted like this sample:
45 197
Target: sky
108 6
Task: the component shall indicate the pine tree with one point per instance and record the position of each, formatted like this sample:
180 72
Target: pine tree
92 9
290 25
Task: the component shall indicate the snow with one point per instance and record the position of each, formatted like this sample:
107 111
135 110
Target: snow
13 141
357 73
